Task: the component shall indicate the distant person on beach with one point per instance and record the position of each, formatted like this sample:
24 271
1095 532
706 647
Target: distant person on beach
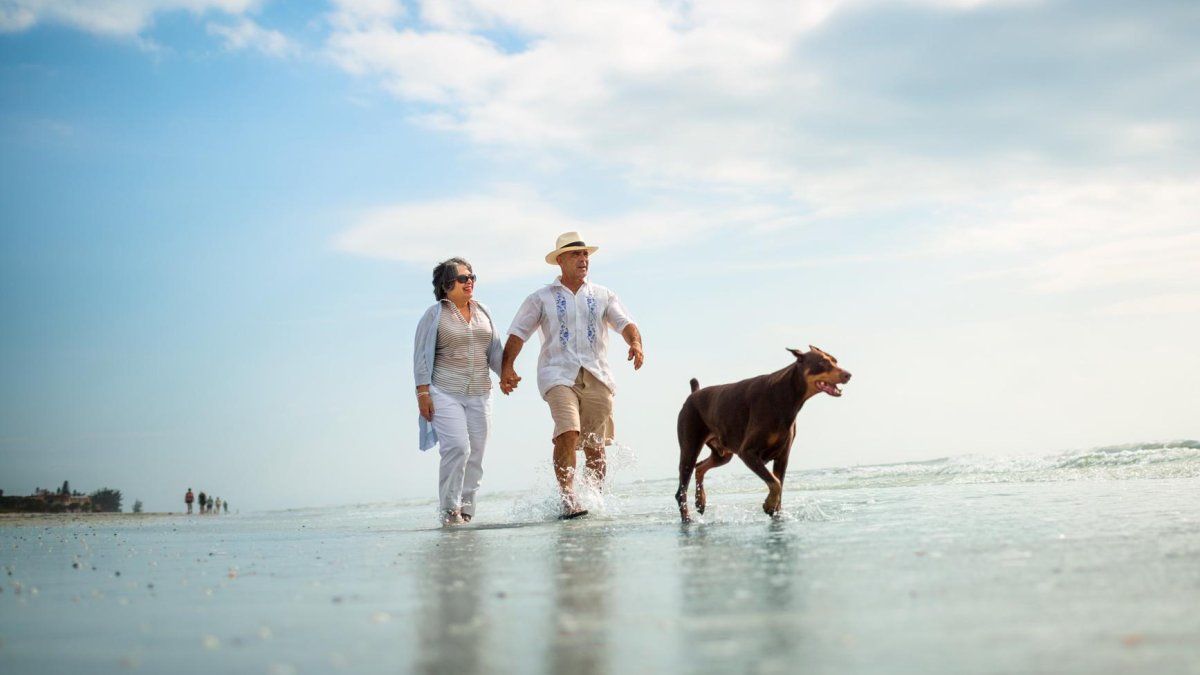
218 507
188 498
573 375
456 343
203 503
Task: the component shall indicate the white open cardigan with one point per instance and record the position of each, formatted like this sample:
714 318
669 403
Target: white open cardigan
424 349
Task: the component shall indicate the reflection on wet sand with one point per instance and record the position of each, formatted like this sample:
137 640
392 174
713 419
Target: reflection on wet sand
730 575
451 628
582 585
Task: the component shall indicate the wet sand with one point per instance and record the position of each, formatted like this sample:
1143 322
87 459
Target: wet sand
1076 577
59 519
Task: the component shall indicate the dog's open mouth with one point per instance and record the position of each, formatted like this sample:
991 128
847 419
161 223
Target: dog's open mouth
829 388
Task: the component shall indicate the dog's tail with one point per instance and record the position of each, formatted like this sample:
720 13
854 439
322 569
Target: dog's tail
695 384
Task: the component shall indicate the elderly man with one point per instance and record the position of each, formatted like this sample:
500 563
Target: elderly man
573 372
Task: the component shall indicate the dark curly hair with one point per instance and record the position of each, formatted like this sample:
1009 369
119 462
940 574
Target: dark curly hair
444 275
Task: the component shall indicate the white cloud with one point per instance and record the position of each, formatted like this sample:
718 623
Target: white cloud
246 34
440 68
119 18
1064 234
16 18
1081 177
708 91
1175 303
1054 211
1170 260
353 14
567 87
489 227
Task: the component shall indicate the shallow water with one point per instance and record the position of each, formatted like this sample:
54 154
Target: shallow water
1077 573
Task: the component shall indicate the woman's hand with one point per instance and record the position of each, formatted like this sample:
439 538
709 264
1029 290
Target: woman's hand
425 405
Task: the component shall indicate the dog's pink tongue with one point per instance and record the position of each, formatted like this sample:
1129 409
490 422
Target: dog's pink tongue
830 389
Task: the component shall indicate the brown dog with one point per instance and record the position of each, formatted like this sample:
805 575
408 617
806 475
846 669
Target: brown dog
754 419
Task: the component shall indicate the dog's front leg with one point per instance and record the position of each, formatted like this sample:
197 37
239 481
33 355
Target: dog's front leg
681 498
774 487
774 503
779 468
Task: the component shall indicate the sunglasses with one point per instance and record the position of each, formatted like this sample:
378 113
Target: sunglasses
464 278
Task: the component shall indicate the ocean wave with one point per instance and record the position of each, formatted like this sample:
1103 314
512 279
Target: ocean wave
1168 459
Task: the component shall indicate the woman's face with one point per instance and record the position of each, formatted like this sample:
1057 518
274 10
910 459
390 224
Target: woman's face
462 290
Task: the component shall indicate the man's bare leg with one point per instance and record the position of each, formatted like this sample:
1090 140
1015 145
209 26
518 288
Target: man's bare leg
597 465
565 447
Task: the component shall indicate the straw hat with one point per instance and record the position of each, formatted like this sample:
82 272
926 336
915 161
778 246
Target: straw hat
568 241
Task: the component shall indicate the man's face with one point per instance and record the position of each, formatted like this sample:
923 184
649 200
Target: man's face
574 265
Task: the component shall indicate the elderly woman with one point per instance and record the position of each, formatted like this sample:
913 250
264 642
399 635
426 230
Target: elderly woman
456 344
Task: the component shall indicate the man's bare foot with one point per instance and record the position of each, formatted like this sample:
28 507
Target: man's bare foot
571 508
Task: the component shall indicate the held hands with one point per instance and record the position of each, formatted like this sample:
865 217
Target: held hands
508 380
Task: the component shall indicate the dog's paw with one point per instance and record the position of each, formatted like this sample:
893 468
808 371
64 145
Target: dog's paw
701 500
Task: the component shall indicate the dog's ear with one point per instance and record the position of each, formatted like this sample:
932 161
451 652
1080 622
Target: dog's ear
826 355
796 352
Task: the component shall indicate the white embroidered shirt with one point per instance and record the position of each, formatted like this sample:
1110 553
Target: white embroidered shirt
574 328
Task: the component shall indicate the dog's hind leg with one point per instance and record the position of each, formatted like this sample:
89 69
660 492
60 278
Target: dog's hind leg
719 457
774 486
691 442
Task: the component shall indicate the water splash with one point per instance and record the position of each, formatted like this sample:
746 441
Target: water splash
541 501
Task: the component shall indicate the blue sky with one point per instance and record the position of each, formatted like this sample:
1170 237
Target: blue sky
219 218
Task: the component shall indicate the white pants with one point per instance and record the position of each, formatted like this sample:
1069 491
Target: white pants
462 424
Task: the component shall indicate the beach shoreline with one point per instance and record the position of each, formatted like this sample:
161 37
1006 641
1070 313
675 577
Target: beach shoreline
12 519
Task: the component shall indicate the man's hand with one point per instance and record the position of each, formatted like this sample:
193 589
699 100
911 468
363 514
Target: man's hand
635 355
425 405
508 374
633 337
509 380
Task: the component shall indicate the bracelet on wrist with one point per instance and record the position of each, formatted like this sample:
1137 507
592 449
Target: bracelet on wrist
422 393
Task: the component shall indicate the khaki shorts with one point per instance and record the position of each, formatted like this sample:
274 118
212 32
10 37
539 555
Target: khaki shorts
586 407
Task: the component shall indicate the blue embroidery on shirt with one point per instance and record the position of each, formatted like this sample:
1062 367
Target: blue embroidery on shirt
560 304
591 327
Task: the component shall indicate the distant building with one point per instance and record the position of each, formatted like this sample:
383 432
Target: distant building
44 501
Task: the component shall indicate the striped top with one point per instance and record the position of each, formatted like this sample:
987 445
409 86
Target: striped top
460 362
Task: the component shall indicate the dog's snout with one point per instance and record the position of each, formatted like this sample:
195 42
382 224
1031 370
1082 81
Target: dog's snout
845 376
